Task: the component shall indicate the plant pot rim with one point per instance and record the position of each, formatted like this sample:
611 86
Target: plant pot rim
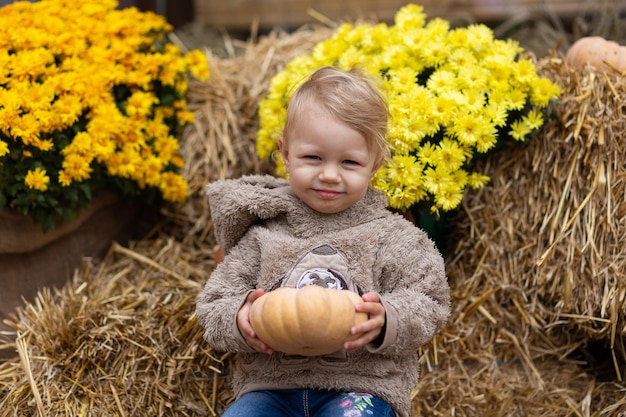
31 237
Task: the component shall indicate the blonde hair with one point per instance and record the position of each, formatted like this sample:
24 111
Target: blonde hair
351 97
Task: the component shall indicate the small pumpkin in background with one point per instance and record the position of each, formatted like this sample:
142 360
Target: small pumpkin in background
603 54
307 321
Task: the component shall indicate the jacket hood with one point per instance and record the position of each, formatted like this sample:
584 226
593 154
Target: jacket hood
237 204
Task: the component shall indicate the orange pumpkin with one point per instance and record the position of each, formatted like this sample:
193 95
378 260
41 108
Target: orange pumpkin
309 321
603 54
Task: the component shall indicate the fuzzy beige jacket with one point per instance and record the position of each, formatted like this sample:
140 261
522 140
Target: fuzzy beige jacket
270 239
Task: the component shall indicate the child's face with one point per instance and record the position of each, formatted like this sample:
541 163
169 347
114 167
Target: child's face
329 163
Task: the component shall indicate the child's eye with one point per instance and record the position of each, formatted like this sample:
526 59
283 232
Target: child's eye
350 162
314 157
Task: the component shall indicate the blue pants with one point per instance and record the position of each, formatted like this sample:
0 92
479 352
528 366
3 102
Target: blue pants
308 403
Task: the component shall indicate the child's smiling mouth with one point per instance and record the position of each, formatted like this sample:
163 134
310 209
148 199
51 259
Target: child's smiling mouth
327 194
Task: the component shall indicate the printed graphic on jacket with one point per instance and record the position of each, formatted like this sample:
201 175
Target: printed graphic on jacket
323 266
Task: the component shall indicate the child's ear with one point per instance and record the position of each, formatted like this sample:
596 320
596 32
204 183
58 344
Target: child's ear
379 163
283 150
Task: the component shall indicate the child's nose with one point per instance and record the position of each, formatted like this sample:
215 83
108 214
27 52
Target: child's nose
329 173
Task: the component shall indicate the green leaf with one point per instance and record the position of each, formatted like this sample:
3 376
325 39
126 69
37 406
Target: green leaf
86 190
47 223
68 214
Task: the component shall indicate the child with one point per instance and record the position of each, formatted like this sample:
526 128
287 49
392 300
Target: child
324 217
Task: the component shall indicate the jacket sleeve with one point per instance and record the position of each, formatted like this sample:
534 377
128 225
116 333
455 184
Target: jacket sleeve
413 287
224 294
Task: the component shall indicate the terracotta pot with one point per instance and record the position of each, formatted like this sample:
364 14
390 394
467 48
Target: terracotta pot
31 259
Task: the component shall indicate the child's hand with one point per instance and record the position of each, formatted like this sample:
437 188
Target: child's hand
243 322
370 328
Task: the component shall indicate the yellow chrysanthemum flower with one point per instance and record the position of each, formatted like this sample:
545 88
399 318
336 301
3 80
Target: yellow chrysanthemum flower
477 180
542 90
519 130
37 179
173 187
448 197
4 148
449 155
77 167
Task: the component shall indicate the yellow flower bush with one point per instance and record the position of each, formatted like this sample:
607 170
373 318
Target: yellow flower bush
452 94
91 97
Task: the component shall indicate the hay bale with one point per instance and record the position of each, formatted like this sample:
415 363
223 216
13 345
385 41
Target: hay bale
496 388
121 339
541 247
